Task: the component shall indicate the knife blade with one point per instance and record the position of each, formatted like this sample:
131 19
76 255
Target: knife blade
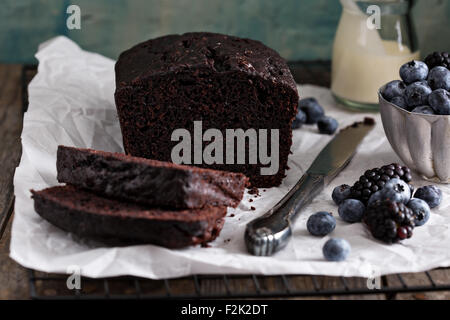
271 232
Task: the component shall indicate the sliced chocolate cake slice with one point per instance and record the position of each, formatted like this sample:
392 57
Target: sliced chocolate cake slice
90 216
148 182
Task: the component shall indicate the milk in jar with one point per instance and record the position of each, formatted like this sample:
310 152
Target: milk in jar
362 60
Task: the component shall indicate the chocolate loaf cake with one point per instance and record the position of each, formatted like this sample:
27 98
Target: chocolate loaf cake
226 82
90 216
148 182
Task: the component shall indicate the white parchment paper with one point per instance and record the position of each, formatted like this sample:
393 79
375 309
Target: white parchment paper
71 103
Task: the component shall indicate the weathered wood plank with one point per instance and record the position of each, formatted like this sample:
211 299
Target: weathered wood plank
13 277
10 129
439 277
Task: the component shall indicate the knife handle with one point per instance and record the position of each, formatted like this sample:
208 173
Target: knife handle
271 232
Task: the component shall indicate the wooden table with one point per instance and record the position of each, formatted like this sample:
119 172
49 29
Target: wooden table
17 282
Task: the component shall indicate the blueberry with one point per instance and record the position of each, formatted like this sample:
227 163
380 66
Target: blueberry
351 210
413 71
396 190
375 197
312 109
424 82
340 193
423 109
416 94
395 88
300 119
327 125
421 211
321 223
440 101
400 102
336 249
390 194
439 78
430 194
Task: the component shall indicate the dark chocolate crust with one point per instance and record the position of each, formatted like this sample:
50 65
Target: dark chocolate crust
90 216
226 82
148 182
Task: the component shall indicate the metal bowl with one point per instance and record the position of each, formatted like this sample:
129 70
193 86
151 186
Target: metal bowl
422 141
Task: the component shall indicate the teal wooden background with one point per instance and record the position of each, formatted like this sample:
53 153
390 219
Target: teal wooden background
298 29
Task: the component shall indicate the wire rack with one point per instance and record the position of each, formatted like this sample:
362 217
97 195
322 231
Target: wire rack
54 286
46 286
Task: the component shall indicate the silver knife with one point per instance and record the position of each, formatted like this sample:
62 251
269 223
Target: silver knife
271 232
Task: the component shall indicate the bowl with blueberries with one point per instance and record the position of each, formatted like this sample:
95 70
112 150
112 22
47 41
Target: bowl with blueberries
415 112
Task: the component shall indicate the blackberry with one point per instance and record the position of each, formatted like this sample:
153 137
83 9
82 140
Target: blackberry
374 180
389 221
438 59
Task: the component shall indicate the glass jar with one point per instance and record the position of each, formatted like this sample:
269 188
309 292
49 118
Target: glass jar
373 39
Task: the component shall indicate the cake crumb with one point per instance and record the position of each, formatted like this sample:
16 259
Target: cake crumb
226 240
254 191
232 215
253 208
369 121
250 200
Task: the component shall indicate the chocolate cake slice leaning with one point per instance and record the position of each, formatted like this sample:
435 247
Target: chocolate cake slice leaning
148 182
223 81
90 216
